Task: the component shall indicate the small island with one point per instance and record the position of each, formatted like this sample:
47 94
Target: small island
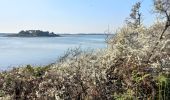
34 33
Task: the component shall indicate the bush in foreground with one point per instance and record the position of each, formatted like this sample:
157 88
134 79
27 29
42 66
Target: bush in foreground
134 66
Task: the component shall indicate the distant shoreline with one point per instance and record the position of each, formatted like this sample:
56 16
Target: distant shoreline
34 33
5 34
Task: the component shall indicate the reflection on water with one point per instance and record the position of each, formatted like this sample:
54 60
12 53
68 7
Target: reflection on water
15 51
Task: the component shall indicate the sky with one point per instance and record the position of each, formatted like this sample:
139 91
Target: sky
68 16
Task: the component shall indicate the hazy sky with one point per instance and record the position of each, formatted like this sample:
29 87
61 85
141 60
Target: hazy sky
67 16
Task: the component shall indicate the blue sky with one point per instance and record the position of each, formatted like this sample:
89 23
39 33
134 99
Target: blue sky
68 16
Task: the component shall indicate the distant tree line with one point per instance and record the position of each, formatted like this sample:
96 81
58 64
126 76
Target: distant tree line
35 33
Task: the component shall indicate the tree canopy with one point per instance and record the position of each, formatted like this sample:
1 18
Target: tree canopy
35 33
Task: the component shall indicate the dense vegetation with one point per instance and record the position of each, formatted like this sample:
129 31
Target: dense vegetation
34 33
135 66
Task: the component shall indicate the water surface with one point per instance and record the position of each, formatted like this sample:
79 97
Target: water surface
17 51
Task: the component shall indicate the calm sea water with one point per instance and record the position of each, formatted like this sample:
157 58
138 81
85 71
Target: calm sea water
16 51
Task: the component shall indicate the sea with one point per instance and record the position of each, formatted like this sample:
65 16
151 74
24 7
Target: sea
38 51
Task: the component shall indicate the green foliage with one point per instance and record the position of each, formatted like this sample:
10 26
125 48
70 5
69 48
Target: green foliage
164 87
40 71
138 77
29 69
8 80
2 93
36 71
34 33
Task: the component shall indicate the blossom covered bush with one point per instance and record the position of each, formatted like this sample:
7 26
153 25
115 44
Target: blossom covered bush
121 71
135 65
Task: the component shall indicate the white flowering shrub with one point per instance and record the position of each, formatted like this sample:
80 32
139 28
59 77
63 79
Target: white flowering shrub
121 71
136 65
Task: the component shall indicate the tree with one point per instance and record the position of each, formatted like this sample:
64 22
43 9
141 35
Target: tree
135 16
162 7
